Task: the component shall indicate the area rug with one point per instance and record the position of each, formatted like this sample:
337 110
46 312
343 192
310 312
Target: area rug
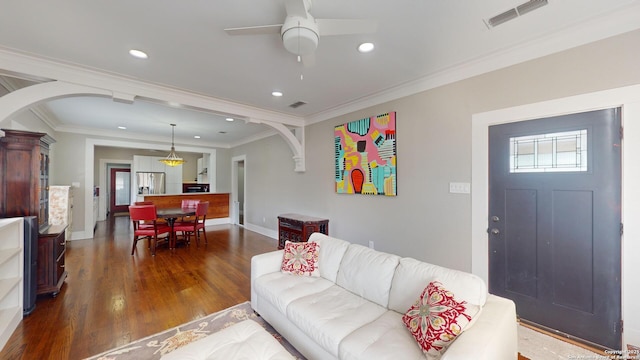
535 345
157 345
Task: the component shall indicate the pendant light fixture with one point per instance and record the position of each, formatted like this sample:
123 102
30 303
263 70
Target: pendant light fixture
173 159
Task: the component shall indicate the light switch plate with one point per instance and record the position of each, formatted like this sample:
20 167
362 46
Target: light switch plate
459 188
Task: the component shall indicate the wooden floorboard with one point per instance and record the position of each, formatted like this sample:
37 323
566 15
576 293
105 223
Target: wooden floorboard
111 298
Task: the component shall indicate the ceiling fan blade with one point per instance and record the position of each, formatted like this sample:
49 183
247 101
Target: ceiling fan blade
329 27
309 60
298 8
255 30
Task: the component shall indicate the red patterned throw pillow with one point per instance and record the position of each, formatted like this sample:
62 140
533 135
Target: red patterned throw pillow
437 318
301 258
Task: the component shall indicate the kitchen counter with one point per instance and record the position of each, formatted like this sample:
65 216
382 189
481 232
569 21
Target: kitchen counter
218 202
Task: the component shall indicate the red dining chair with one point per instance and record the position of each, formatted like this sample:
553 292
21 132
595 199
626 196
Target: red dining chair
146 226
189 204
142 224
194 227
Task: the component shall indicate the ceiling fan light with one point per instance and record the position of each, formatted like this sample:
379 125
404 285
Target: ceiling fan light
300 40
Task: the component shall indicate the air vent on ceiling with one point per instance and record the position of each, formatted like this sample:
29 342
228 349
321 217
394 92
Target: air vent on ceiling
515 12
297 104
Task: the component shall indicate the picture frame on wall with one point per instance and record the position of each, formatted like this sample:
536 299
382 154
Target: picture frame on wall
366 156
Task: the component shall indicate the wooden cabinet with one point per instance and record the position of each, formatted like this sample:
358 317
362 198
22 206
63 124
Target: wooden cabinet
24 182
298 228
24 175
11 277
51 254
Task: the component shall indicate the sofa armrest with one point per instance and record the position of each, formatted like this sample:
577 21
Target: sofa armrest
494 335
263 264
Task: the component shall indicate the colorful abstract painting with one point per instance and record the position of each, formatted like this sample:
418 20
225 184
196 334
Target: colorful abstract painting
365 152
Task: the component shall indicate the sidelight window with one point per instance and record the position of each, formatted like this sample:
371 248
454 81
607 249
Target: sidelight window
553 152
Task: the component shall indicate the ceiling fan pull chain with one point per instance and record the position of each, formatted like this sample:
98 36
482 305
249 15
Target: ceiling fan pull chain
299 57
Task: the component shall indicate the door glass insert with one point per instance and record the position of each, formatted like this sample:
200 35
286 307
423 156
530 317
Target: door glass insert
553 152
123 188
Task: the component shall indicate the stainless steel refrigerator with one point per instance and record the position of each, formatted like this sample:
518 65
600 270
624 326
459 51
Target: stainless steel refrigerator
150 183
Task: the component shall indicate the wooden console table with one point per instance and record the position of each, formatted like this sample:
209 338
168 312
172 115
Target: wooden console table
51 265
298 228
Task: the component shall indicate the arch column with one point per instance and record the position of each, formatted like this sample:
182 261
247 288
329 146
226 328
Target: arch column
23 98
295 140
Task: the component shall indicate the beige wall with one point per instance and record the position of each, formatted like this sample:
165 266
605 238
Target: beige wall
189 172
434 148
434 142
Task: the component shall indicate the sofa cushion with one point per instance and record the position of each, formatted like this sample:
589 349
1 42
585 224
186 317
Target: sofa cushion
437 318
243 340
384 338
281 289
329 316
368 273
331 252
412 276
301 258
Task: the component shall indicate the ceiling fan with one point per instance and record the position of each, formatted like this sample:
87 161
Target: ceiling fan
300 31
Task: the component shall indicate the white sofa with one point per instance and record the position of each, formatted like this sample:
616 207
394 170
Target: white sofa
354 309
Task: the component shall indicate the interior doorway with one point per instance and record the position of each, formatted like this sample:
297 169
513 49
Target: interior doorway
238 181
119 190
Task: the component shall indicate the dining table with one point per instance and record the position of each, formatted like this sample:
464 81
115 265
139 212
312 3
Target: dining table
171 215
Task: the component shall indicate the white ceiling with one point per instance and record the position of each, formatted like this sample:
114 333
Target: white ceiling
418 43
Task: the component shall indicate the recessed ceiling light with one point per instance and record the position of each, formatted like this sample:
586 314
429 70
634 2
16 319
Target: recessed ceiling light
277 93
196 137
229 119
138 54
366 47
122 127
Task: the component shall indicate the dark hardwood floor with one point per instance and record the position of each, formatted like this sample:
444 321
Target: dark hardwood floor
112 298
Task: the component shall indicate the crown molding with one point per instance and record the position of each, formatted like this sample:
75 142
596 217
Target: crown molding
618 22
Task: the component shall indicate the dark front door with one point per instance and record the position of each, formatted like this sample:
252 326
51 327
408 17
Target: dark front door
120 196
555 223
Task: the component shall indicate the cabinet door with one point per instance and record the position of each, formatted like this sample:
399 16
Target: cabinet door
157 165
174 179
141 163
45 257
